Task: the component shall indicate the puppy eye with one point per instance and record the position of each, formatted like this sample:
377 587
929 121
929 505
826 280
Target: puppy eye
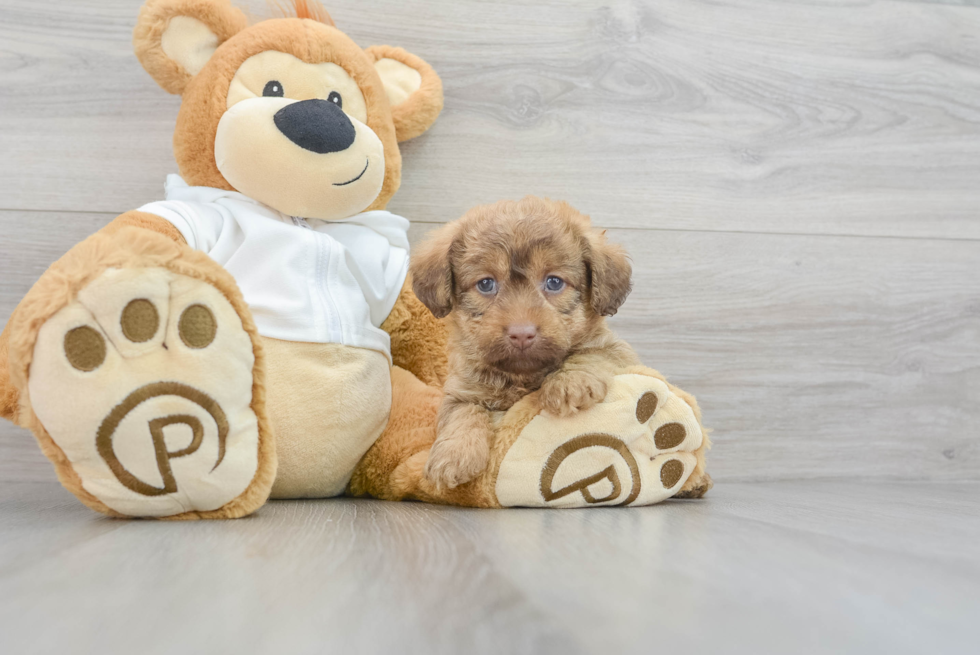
273 89
486 285
335 98
554 283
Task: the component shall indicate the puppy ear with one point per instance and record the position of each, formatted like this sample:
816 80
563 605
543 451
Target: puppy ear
432 271
174 39
414 90
610 274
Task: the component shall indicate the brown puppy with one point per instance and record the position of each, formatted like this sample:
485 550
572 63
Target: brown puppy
527 286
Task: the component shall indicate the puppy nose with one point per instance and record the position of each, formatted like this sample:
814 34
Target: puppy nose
522 334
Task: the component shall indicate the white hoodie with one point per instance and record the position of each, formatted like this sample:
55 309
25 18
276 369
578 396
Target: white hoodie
303 279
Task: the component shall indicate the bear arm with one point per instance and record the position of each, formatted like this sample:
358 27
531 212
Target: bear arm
8 393
418 339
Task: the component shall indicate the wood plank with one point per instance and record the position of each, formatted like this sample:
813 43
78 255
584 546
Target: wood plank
773 567
817 356
813 357
838 117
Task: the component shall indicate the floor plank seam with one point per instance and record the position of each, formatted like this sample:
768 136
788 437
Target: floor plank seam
675 230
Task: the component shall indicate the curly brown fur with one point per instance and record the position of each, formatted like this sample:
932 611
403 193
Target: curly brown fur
527 286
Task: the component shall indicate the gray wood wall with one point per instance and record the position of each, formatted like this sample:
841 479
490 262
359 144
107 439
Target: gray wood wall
798 183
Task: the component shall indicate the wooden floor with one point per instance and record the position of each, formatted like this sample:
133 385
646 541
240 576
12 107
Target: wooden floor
798 183
778 567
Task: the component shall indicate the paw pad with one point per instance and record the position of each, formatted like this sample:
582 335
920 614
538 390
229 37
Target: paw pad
636 447
671 472
646 406
140 320
197 327
150 402
670 435
104 436
85 348
608 474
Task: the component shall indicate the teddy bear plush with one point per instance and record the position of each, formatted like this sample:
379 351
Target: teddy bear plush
254 332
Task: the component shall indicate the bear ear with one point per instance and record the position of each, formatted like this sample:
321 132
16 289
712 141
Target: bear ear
414 90
174 39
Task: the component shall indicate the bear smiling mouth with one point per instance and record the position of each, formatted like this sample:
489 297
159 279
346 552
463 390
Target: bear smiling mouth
367 163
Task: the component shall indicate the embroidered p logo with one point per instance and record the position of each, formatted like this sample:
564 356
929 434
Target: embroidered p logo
569 448
104 436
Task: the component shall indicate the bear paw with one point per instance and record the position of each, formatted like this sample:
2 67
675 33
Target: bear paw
637 447
144 381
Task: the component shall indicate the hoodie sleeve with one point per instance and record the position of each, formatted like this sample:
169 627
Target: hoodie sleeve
200 224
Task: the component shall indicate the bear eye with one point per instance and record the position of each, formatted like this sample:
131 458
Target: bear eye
554 283
335 98
273 89
487 285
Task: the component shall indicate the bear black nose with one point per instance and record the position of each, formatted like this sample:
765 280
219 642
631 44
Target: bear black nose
317 125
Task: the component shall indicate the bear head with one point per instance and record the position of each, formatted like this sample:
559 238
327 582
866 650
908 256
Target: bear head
288 111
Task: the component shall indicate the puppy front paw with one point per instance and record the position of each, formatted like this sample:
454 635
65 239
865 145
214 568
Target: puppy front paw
457 459
566 392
